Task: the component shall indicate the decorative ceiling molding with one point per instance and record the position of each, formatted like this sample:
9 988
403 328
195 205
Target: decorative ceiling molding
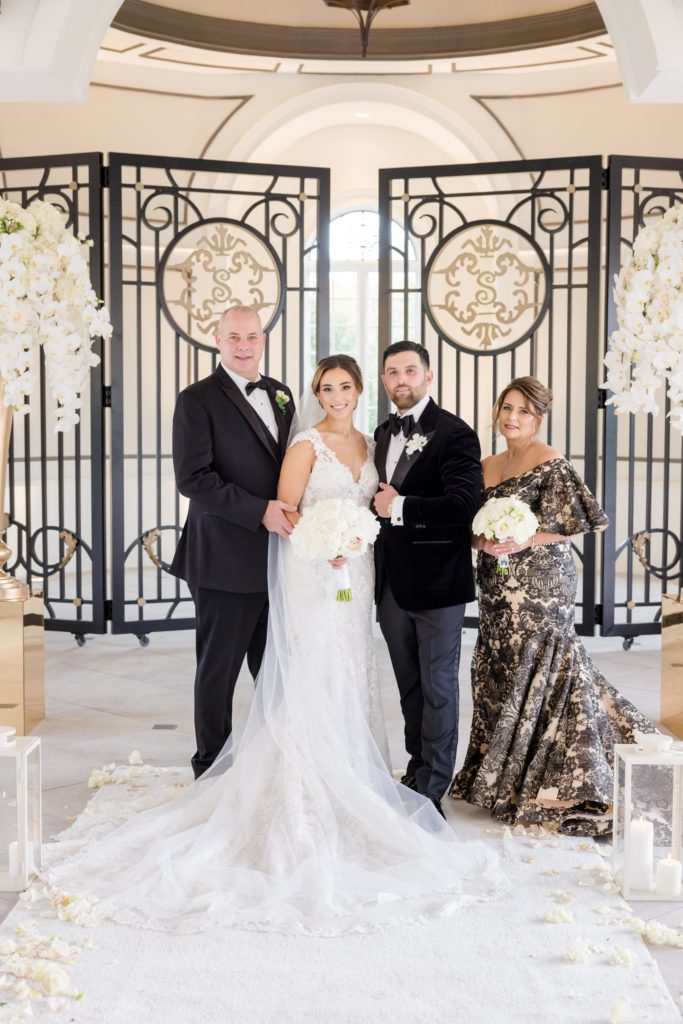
158 51
180 27
586 54
484 102
125 49
239 100
332 71
117 50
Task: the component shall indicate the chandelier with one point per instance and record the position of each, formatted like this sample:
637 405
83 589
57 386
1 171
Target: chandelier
365 12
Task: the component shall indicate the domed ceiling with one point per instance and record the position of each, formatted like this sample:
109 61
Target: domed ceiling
312 29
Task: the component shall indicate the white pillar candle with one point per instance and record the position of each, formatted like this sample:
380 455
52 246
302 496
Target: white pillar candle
669 877
641 853
14 858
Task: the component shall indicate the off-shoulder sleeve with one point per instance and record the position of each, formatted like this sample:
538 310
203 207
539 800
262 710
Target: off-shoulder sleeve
567 506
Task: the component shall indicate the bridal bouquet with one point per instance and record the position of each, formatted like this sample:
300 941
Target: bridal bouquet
46 299
335 528
647 349
505 519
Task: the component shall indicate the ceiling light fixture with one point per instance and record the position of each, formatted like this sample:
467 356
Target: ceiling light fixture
365 12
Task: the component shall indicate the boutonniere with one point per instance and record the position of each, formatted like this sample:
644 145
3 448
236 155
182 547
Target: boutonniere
415 444
282 400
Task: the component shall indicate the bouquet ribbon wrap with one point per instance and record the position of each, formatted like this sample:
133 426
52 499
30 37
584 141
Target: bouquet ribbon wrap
344 579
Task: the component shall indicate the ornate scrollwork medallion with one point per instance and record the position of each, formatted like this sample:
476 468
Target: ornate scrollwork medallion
487 287
213 264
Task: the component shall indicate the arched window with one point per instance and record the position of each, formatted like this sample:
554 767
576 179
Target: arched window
354 252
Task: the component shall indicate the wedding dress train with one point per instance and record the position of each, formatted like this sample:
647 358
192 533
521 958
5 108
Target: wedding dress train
299 826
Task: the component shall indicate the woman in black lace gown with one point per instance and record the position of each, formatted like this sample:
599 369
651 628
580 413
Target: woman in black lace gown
545 720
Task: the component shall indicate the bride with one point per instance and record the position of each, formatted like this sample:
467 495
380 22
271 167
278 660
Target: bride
299 825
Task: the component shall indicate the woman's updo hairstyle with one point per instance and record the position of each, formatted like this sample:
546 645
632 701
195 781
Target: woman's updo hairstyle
338 362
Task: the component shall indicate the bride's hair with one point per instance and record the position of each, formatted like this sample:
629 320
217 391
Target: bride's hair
538 396
338 362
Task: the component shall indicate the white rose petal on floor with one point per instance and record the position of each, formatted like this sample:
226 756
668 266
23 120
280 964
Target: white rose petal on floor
561 947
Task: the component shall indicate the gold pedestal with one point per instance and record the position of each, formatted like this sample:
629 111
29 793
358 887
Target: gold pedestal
672 663
22 664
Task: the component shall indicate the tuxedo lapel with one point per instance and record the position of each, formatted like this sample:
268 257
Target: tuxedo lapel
281 418
425 427
248 412
381 452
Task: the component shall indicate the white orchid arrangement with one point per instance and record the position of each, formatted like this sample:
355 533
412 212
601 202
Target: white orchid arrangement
647 349
46 299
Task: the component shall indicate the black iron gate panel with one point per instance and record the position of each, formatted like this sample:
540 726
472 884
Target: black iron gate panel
56 483
188 238
496 269
642 456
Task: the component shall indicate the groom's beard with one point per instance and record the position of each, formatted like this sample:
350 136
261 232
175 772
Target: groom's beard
409 398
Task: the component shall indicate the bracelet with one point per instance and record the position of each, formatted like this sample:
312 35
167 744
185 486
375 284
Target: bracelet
389 507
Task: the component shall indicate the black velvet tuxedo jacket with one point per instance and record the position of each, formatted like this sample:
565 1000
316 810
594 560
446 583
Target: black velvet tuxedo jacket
227 463
428 561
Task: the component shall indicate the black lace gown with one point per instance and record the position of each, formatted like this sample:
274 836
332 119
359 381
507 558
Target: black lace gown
545 720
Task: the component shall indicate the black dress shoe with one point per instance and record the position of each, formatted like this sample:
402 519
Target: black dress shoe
437 804
409 781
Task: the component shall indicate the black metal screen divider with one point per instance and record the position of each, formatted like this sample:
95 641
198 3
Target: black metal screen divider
529 195
647 536
63 557
164 213
59 532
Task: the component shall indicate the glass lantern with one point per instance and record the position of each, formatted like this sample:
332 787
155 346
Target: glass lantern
648 818
20 809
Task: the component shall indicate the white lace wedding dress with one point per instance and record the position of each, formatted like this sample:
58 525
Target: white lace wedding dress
299 826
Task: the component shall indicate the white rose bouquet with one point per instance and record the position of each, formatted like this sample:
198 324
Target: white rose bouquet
46 299
335 528
647 349
505 519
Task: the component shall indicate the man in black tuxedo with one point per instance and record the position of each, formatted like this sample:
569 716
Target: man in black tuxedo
230 433
430 486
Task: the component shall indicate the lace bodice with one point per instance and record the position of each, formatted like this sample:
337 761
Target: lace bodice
330 478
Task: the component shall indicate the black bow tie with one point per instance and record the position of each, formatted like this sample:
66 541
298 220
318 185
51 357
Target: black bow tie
401 423
253 384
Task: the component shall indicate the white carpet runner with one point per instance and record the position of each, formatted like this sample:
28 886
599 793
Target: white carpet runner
559 948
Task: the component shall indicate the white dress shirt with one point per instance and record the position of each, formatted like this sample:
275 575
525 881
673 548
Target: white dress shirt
258 400
394 452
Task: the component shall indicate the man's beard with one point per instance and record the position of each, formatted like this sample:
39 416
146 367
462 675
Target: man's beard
407 400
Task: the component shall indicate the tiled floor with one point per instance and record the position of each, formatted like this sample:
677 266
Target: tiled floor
108 698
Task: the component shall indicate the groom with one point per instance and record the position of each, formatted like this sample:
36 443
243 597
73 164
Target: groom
430 488
229 438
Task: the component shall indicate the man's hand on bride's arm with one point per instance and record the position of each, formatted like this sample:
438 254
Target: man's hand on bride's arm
383 500
275 520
